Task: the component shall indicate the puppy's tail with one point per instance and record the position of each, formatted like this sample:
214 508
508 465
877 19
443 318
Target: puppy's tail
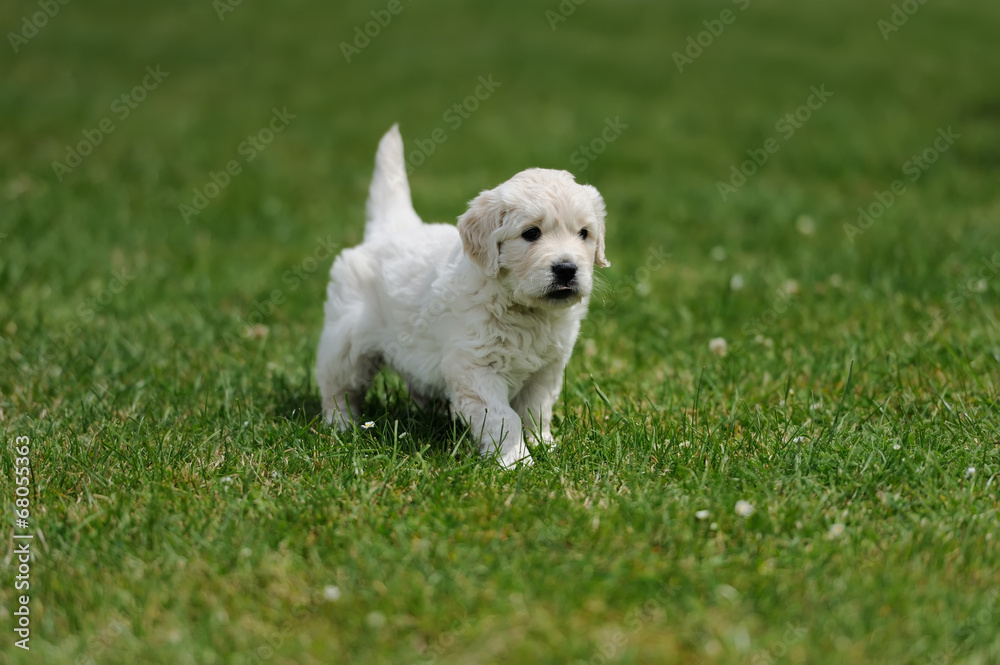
389 208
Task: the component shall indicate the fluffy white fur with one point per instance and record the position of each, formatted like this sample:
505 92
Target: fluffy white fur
477 315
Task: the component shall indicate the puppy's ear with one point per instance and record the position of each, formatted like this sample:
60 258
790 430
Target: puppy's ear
600 261
477 227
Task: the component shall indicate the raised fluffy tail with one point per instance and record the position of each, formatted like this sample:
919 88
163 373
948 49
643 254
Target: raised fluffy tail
389 206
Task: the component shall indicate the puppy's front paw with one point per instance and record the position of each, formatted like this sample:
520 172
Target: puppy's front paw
546 439
512 461
510 458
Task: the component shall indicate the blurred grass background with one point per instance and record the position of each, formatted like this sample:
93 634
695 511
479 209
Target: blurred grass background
128 358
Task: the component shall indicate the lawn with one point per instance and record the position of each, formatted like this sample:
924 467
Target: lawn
780 430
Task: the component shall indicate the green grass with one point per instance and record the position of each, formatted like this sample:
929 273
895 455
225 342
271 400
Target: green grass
188 507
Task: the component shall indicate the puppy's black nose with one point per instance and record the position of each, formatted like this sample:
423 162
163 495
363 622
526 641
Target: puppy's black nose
564 272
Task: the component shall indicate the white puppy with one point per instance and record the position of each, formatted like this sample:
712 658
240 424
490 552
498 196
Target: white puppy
484 316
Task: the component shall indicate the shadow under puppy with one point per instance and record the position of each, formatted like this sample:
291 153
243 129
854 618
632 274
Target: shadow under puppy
483 316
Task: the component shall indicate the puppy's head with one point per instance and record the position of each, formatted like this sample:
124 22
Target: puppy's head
540 234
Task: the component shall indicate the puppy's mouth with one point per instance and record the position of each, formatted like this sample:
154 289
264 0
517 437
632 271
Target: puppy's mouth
561 293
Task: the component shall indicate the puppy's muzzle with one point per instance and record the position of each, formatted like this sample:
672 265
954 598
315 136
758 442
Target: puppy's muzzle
564 273
563 280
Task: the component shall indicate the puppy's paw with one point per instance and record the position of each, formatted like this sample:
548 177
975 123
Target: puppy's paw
509 459
513 461
546 439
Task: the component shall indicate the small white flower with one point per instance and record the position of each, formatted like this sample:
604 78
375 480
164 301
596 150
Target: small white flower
403 435
702 514
728 592
368 425
799 439
684 444
226 480
836 530
736 282
790 287
896 446
258 331
816 406
718 346
331 593
806 225
375 619
744 508
274 474
979 286
971 471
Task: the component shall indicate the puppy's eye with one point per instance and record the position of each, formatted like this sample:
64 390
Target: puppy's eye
584 234
532 234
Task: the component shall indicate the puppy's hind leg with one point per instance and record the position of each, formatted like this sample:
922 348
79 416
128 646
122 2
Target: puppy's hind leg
344 375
